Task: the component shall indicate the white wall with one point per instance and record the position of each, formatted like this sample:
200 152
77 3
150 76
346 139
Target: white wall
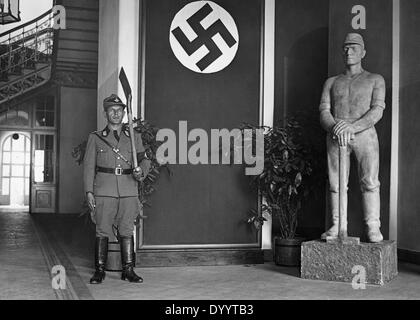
118 47
107 54
268 94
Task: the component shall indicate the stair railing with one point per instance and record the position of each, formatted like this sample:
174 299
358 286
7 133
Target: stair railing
26 57
26 45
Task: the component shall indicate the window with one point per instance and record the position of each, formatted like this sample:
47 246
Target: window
18 116
15 161
43 161
38 113
45 112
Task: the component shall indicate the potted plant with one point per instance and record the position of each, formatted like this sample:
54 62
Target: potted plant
284 183
148 134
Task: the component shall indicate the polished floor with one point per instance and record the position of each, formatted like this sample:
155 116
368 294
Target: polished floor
30 245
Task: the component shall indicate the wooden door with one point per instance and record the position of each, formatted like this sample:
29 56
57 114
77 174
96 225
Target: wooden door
43 173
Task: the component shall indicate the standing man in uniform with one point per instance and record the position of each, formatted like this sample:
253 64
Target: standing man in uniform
111 187
351 104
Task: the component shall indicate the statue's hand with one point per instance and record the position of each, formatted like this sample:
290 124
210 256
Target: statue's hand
345 138
344 132
340 126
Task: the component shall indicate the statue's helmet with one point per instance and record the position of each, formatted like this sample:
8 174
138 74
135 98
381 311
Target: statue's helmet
354 38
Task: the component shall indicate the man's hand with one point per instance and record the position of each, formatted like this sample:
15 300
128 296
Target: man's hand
91 201
344 132
138 174
90 198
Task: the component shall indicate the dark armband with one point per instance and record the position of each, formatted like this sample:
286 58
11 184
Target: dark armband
141 156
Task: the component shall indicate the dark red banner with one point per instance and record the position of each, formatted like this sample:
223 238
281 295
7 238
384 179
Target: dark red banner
202 65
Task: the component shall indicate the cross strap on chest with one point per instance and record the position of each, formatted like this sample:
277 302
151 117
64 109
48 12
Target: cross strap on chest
114 149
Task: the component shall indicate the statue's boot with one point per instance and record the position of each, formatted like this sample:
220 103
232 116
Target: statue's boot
334 204
371 208
101 255
127 259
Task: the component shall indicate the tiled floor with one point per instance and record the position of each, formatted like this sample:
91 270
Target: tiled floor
23 273
31 245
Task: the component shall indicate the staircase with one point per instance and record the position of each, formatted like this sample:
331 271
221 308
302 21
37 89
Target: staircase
26 57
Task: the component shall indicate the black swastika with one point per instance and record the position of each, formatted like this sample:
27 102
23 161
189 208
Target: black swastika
204 37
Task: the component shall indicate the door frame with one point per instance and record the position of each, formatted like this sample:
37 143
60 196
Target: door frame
28 133
46 186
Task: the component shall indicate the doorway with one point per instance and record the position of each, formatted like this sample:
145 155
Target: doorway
28 155
43 182
15 169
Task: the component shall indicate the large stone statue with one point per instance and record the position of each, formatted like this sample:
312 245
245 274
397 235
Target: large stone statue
351 104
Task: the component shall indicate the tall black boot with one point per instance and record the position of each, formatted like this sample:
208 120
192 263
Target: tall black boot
101 254
127 259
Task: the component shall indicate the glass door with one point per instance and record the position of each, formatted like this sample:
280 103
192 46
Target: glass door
15 168
43 190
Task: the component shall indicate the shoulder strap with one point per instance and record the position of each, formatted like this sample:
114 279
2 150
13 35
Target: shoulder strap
113 148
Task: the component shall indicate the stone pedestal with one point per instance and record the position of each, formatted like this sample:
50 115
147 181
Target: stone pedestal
335 261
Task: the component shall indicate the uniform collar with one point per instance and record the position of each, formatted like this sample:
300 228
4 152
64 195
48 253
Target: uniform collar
106 132
126 130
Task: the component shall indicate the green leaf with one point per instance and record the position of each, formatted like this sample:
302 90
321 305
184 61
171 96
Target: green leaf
298 179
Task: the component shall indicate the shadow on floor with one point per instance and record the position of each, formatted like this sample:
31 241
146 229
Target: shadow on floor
69 241
74 233
77 235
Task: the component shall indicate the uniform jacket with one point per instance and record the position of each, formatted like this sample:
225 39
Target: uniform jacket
98 153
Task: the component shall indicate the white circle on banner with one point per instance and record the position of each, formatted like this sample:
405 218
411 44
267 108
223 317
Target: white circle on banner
204 37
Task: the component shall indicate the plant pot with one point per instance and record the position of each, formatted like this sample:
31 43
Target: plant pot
114 262
287 251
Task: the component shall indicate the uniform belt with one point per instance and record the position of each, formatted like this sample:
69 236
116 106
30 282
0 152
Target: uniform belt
116 171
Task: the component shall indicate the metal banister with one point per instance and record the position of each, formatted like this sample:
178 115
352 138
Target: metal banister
26 24
26 57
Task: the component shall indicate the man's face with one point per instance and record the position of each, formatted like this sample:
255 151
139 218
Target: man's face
353 54
115 115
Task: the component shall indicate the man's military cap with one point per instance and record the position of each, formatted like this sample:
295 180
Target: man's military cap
354 38
113 100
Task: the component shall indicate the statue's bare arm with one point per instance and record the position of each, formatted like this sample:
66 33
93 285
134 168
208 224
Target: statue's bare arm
326 119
